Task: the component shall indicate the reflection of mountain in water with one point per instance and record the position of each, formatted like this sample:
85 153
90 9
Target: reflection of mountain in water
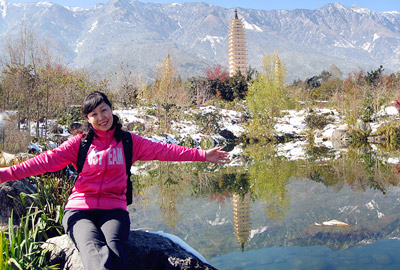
333 236
210 227
371 216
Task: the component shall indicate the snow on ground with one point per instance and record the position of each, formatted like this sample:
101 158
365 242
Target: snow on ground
292 122
186 128
134 115
229 118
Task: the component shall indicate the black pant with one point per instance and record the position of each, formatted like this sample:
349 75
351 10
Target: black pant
100 236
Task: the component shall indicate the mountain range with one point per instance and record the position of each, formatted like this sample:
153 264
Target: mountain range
140 35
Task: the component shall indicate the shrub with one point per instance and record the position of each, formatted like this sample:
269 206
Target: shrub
208 122
317 121
12 139
73 114
152 111
358 137
391 131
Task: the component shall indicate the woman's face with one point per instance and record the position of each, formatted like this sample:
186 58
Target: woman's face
101 117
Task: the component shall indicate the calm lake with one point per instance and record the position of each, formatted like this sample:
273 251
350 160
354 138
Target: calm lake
333 210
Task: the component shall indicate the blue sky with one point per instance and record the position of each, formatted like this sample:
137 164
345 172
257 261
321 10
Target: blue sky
378 5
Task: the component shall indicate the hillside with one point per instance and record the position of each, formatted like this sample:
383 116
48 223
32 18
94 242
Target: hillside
196 34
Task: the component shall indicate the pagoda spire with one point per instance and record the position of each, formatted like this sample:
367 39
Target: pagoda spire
237 47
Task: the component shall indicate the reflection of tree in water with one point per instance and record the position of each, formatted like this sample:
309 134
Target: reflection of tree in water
269 176
360 168
173 183
169 194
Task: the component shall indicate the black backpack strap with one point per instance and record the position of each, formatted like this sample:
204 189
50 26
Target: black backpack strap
128 145
83 149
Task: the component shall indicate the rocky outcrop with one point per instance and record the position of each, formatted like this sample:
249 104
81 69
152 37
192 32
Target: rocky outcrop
145 251
9 192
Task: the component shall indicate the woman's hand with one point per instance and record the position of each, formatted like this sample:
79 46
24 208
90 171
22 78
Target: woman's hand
215 155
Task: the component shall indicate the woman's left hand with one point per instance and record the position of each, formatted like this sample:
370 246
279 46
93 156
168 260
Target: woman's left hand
215 155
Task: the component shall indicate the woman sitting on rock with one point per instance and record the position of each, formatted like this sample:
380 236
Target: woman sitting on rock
96 216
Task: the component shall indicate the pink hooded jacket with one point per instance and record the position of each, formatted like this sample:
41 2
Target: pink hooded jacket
102 182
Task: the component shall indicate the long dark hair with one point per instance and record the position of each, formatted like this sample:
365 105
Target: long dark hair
89 103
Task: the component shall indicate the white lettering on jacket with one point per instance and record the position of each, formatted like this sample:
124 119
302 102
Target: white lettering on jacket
95 157
115 156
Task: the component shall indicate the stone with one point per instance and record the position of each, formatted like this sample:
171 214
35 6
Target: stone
227 134
145 251
8 191
64 253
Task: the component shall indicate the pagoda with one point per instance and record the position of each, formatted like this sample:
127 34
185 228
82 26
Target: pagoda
237 47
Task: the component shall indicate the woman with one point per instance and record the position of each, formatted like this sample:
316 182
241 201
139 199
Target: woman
96 216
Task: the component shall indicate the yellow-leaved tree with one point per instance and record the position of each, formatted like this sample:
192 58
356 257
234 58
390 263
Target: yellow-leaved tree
167 92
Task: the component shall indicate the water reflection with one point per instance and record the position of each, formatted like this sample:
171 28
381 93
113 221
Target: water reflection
271 201
242 218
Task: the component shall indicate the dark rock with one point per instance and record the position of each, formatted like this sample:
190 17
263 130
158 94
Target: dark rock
145 251
8 191
188 141
227 134
152 251
291 137
56 129
64 253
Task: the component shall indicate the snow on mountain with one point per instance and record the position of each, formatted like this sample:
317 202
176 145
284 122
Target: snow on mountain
196 34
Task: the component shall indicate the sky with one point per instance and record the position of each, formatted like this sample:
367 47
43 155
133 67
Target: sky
377 5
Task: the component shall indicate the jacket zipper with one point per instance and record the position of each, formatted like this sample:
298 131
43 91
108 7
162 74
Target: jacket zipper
102 178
